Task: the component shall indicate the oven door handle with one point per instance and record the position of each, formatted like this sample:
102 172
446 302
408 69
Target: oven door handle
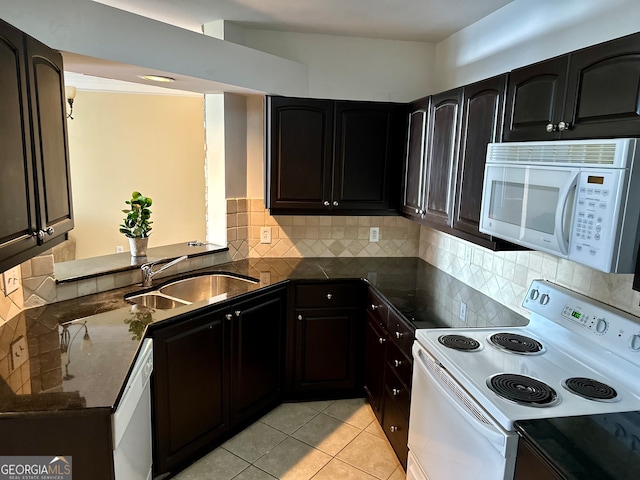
470 410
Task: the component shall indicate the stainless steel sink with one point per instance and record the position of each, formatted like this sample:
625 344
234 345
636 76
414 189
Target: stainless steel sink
196 289
185 291
154 300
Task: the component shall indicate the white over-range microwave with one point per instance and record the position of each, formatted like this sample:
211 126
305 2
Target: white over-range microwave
577 199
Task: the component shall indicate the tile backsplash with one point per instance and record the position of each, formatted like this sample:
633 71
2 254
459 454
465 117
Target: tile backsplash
506 276
503 276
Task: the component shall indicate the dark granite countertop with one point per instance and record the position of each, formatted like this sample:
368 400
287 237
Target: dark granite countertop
594 447
52 379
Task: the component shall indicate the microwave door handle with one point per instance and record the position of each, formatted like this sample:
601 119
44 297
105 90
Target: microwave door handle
489 431
562 230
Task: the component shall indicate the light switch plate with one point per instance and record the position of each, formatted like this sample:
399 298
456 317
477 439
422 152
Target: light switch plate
11 280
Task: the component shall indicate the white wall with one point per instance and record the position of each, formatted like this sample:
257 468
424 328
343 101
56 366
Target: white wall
528 31
352 68
122 142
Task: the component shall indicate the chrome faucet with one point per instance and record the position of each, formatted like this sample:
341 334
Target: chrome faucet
148 273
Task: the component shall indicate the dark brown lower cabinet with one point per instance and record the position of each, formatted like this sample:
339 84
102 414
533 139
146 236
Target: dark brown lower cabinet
213 373
189 388
387 371
326 341
530 465
84 435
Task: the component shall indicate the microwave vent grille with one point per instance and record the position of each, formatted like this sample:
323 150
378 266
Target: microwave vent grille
590 153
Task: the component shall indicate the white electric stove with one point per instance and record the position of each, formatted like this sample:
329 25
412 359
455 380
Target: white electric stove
575 357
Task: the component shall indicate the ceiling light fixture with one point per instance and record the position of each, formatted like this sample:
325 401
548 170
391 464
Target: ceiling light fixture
157 78
70 93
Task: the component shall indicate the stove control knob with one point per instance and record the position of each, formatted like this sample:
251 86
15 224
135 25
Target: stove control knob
634 343
534 294
544 299
601 326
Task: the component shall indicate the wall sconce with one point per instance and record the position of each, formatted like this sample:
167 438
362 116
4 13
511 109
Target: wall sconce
71 95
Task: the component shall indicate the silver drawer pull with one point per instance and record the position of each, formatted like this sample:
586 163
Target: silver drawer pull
399 335
299 317
395 391
228 316
329 296
397 363
374 307
393 429
381 340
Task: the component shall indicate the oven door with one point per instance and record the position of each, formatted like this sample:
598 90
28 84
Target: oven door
529 206
450 435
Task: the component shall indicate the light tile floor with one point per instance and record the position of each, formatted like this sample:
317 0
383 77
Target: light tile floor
328 440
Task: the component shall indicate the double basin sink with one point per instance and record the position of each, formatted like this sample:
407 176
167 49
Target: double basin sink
185 291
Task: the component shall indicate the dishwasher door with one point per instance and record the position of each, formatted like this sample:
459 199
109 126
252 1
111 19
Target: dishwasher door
132 421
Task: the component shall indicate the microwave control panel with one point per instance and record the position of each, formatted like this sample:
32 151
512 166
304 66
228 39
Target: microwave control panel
594 218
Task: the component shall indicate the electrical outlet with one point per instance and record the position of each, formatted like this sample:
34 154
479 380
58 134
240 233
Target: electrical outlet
11 280
19 353
467 255
463 312
119 249
265 278
265 234
374 234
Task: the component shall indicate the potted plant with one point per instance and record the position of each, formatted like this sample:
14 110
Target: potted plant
136 226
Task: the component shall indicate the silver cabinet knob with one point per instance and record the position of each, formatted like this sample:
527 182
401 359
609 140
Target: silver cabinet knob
329 296
326 203
374 307
335 203
299 317
238 313
397 363
382 340
228 316
41 233
551 127
399 335
393 429
395 392
562 126
417 211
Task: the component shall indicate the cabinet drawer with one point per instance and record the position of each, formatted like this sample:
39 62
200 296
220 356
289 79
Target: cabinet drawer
396 427
378 309
397 389
400 332
326 295
399 363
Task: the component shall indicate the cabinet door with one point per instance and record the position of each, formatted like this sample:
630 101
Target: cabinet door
603 90
257 354
327 350
535 98
50 150
530 465
190 388
395 425
17 201
368 146
299 153
444 135
375 342
414 174
481 124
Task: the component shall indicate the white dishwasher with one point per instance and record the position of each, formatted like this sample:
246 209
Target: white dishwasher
132 421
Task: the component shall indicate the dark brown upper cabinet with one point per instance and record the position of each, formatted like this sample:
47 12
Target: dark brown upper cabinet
443 140
333 157
35 187
534 100
414 167
590 93
482 120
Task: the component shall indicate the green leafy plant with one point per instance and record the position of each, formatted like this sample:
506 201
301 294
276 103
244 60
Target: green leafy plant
137 224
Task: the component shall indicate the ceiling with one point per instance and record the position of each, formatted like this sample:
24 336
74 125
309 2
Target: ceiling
414 20
421 20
